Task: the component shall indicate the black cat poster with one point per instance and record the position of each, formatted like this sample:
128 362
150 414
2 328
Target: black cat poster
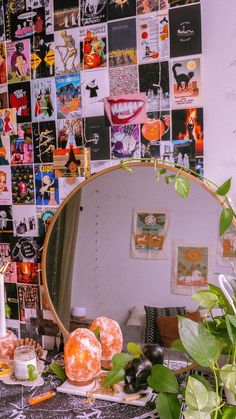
185 31
186 83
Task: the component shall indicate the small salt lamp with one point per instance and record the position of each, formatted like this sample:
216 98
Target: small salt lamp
110 336
82 355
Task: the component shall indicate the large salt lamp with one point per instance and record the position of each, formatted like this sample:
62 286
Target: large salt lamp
110 336
82 355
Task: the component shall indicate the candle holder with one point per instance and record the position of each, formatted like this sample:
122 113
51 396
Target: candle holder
7 346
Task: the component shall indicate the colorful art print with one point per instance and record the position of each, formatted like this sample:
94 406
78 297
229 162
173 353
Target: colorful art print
93 12
187 130
20 100
11 299
2 33
70 132
95 86
26 249
150 150
11 11
68 94
29 301
185 31
148 236
154 81
44 136
48 6
18 61
123 80
5 156
22 145
122 43
5 185
10 274
186 83
93 47
27 272
44 217
67 52
157 127
96 136
43 100
21 23
46 185
66 15
227 246
25 221
3 70
120 9
147 6
126 109
125 142
6 221
42 56
163 35
72 162
3 96
22 185
190 270
7 121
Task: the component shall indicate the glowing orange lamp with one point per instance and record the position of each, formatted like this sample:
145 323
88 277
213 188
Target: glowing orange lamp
82 355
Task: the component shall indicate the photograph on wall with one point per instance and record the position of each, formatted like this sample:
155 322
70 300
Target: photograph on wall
46 185
5 185
191 268
185 31
22 185
154 81
43 96
123 80
3 96
2 34
27 272
20 99
227 247
93 47
44 218
125 142
5 155
72 162
42 60
167 151
7 121
70 132
96 136
26 249
187 136
150 149
3 65
148 6
68 96
22 145
29 301
149 234
157 127
6 221
93 12
67 52
66 14
95 87
11 299
122 43
126 109
120 9
186 83
44 137
25 221
18 61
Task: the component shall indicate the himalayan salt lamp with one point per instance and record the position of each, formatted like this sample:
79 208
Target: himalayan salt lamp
82 355
110 337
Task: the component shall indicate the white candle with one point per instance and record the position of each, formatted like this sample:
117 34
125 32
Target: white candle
3 329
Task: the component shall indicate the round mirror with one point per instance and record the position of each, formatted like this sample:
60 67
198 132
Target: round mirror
122 241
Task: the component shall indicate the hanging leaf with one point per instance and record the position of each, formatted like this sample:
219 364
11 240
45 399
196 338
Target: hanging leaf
182 186
226 218
134 349
162 171
120 360
115 376
124 166
169 179
58 370
163 380
168 406
206 299
228 377
196 394
224 188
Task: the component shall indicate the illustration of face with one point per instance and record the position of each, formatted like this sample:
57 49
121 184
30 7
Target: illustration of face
46 180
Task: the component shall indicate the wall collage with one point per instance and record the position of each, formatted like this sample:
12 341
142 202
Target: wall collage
84 84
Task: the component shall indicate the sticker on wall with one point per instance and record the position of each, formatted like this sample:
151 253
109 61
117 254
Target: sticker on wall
190 269
67 52
43 100
66 14
95 88
44 136
6 221
148 235
185 31
122 43
126 109
68 94
26 249
22 145
5 185
93 47
186 83
18 61
154 81
70 132
25 221
93 12
3 65
123 80
120 9
125 142
97 138
46 185
20 99
42 61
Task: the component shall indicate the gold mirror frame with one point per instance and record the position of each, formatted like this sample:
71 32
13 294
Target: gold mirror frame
157 165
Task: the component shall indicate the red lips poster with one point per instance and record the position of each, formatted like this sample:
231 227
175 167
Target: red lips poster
126 109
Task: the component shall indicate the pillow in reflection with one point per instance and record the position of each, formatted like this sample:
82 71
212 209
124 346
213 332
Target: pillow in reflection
152 334
168 327
137 317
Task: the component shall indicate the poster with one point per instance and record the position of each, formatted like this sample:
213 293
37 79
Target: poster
68 95
5 185
5 155
27 272
43 100
125 142
18 61
29 301
126 109
25 223
22 145
70 132
148 234
21 23
123 80
6 221
44 136
186 83
227 247
121 9
67 52
122 43
96 136
72 162
42 56
3 96
44 218
93 47
95 88
46 185
66 185
93 12
7 121
20 99
2 34
26 249
48 7
3 65
147 6
191 268
22 185
154 81
66 14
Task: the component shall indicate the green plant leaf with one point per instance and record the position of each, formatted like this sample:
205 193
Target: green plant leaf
224 188
120 360
115 376
162 171
203 380
97 333
178 346
228 377
168 406
226 218
134 349
229 412
169 179
7 311
163 380
202 346
182 186
231 327
206 299
58 370
196 394
195 414
32 372
223 302
125 166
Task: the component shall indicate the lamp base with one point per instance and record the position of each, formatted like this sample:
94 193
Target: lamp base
7 346
106 364
80 383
